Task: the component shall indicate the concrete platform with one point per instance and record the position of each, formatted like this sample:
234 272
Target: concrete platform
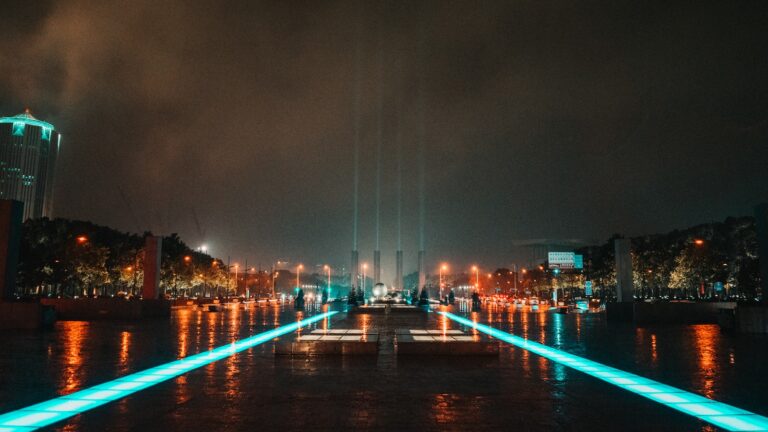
329 342
369 309
444 343
405 308
384 308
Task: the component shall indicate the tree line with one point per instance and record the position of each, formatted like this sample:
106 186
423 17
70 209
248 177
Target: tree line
69 258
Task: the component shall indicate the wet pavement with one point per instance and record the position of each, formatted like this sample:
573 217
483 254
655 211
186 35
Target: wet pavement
256 390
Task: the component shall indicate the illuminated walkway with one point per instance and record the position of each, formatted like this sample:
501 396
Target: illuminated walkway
55 410
719 414
529 387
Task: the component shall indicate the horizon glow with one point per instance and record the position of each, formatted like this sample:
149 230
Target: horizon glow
716 413
63 407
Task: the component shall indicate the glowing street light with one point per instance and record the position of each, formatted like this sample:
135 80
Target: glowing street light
274 281
328 269
298 275
698 242
365 267
82 239
237 266
443 268
477 277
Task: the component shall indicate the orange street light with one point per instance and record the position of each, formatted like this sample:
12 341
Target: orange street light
298 275
443 268
187 258
698 242
82 239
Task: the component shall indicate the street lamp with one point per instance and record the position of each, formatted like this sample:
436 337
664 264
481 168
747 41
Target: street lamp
699 243
237 266
477 278
365 267
274 280
443 268
328 269
298 275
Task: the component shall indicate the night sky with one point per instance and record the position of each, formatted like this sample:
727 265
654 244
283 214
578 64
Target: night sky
232 123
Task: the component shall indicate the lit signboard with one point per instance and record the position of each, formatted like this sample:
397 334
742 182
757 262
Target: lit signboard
562 260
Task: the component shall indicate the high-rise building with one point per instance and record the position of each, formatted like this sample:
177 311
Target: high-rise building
28 151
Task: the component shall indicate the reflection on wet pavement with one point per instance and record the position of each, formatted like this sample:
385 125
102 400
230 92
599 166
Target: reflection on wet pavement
254 389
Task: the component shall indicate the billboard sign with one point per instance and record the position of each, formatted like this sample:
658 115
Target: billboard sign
578 262
561 260
588 288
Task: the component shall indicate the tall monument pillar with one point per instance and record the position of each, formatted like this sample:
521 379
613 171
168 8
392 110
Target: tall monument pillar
422 270
761 220
11 212
152 253
354 271
376 266
399 270
624 288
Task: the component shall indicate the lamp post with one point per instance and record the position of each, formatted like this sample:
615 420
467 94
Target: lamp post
365 267
699 243
443 268
298 275
237 266
328 269
275 274
477 278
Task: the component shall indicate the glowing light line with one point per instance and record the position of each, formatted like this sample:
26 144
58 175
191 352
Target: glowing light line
60 408
717 413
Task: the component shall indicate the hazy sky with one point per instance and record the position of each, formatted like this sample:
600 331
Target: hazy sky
232 123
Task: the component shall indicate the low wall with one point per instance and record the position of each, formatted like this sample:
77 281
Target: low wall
752 319
89 309
679 312
667 312
619 312
23 315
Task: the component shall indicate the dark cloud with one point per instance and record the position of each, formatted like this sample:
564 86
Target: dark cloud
232 123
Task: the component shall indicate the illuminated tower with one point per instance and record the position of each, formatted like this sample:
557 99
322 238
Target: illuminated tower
28 151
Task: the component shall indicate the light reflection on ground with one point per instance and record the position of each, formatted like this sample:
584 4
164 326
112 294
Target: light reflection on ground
258 390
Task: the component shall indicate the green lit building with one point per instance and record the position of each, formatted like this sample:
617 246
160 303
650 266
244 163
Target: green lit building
28 151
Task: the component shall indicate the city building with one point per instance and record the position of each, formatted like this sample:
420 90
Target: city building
28 151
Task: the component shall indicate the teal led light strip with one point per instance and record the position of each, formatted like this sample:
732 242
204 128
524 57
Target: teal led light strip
54 410
719 414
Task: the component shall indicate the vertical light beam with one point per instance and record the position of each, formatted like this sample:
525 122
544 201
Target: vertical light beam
353 272
57 409
422 168
379 139
717 413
